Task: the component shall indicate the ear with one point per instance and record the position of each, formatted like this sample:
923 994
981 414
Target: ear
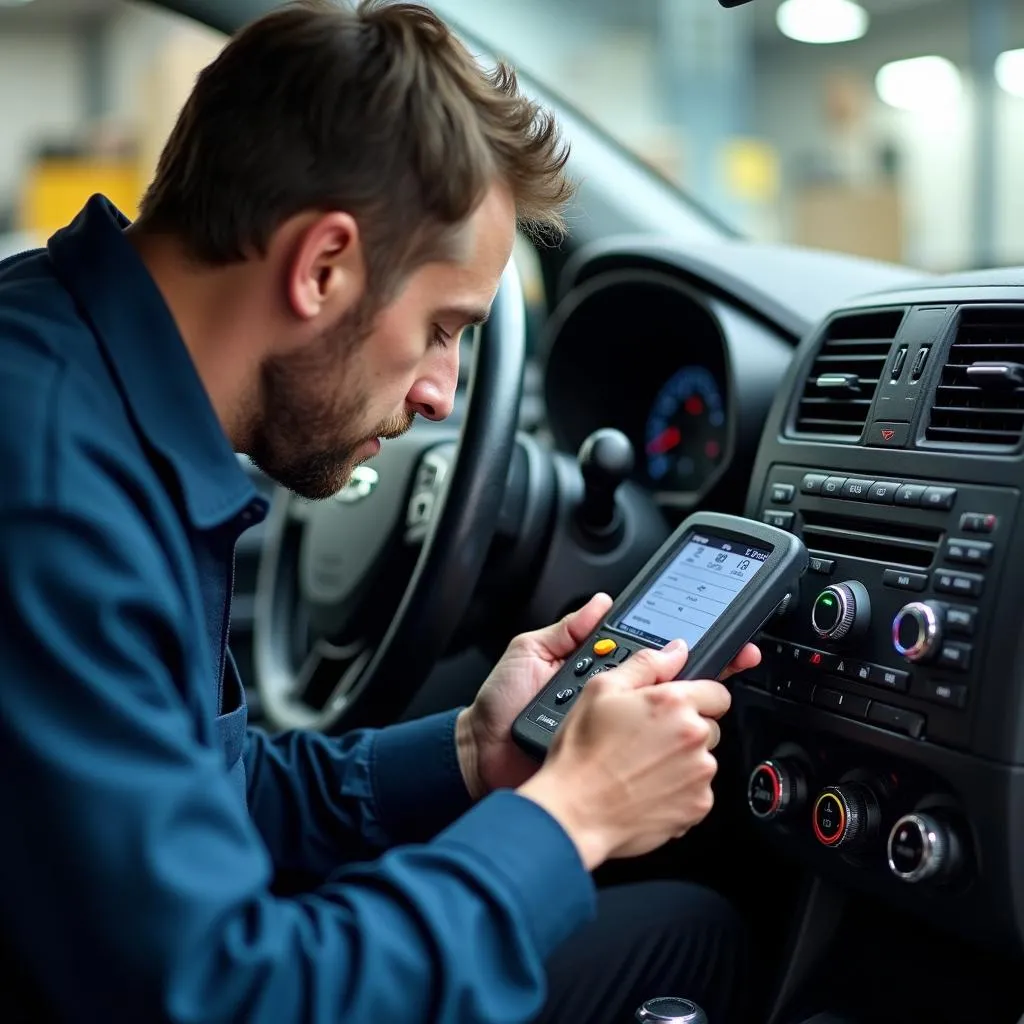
327 272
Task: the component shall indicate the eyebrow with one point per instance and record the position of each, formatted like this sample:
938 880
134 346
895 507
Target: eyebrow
468 316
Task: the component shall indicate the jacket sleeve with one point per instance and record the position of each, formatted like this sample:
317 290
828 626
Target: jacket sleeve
136 886
318 800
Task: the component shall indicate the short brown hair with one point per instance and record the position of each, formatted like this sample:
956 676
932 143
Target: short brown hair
375 109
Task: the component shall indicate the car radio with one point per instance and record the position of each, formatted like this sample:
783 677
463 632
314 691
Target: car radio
891 616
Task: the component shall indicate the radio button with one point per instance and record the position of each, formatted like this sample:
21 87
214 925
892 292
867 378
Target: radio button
833 486
955 655
978 522
857 490
961 620
883 492
910 495
847 704
897 719
953 695
914 581
780 520
938 497
811 483
969 552
958 583
892 679
782 494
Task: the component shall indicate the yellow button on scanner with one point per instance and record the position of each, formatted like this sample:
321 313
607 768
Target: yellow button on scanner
603 647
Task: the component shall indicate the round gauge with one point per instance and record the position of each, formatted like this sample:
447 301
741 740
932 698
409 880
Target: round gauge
686 431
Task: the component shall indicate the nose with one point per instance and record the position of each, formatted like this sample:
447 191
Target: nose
433 394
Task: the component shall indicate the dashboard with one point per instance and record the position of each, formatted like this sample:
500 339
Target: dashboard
883 734
639 350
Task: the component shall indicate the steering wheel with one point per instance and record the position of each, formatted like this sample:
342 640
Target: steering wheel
338 642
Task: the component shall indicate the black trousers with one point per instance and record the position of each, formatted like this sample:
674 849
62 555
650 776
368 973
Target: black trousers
650 939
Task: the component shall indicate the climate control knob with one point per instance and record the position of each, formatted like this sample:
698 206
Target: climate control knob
776 788
917 630
846 815
841 611
922 847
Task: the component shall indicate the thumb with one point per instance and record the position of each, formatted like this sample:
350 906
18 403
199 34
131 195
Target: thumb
562 638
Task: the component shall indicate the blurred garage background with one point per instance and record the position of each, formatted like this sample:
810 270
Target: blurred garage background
887 128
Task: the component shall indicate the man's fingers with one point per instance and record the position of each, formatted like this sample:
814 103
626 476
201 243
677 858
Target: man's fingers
710 699
648 667
749 657
562 638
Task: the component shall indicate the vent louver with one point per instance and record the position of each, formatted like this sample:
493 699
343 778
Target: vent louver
979 400
839 390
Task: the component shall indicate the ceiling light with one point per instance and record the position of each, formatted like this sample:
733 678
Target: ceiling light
822 21
1010 71
919 83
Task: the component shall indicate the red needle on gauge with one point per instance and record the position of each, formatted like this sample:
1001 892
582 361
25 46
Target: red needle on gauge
665 441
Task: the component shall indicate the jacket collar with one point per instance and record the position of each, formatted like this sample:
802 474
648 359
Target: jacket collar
134 326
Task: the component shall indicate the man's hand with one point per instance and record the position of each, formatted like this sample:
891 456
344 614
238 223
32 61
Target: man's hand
488 755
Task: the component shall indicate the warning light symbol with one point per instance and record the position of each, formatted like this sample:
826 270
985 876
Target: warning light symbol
888 434
815 658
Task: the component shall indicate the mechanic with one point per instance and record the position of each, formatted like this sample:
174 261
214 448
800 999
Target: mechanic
336 204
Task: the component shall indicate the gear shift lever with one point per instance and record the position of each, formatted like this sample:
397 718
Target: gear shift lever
670 1010
605 459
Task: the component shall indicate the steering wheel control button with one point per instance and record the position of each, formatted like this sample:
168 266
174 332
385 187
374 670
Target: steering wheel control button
776 788
955 655
910 495
582 666
966 584
969 552
841 610
978 522
886 716
565 695
604 647
917 630
845 815
857 490
921 847
899 580
887 434
811 483
780 520
938 498
833 487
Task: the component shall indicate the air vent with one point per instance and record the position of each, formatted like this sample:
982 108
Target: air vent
980 397
841 385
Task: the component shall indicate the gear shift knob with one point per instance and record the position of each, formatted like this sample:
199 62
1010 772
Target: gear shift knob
605 459
671 1010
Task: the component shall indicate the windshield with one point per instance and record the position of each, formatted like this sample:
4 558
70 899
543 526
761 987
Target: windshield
883 128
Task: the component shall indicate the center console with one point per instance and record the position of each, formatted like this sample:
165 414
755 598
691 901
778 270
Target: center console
884 730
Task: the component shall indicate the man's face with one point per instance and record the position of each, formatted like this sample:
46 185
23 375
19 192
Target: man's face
325 408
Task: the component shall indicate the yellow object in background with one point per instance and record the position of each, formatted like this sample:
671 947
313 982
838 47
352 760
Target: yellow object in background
751 170
55 191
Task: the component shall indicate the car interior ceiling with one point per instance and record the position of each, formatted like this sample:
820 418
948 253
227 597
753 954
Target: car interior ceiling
869 817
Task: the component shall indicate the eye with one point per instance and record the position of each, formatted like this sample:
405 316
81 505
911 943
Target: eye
440 337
